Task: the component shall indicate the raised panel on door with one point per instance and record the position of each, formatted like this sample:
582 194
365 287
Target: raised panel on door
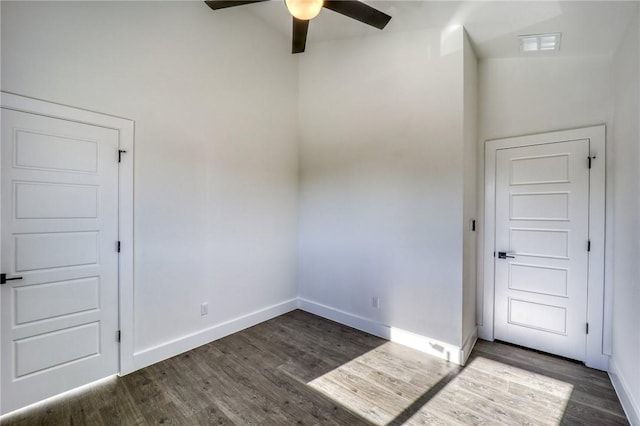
37 200
534 315
41 251
540 279
542 200
55 299
40 150
35 355
59 232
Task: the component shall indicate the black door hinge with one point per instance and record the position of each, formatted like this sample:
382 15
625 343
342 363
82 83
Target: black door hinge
118 246
589 245
587 328
121 151
118 335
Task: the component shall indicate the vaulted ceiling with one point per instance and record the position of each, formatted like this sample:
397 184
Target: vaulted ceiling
587 27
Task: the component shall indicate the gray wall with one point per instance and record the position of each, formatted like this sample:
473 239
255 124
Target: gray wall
625 362
381 197
216 144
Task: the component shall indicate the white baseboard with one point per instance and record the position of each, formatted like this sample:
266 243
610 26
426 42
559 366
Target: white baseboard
425 344
174 347
627 399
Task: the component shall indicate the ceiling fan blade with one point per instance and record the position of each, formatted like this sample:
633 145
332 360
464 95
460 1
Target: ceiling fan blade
359 11
222 4
299 40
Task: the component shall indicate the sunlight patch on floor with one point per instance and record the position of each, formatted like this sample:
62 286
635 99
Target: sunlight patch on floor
392 385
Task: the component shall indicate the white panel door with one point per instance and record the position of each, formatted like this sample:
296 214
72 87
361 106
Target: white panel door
59 235
542 225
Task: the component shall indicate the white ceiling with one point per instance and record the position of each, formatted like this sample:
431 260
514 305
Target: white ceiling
587 27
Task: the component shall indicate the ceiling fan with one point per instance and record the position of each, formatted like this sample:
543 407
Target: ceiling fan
305 10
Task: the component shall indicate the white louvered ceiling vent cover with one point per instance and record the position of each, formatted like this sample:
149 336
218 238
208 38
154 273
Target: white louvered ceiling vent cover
540 42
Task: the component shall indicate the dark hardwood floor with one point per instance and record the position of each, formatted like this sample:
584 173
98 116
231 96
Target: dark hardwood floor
302 369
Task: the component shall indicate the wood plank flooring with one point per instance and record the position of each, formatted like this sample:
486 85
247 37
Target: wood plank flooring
302 369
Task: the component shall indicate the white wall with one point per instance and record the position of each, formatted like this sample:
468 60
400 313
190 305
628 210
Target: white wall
470 156
537 94
625 362
215 144
520 96
381 199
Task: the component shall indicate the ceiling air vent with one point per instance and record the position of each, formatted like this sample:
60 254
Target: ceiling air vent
540 42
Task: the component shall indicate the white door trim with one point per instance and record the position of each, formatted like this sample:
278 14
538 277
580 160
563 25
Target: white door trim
125 130
595 357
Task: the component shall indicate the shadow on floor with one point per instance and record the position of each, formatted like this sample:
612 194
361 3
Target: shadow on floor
302 369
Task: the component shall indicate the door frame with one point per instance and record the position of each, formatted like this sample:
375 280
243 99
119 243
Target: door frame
125 129
594 356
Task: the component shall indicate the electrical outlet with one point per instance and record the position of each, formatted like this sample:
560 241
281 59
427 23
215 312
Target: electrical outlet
204 309
375 302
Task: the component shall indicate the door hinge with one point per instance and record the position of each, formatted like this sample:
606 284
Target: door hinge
587 328
589 245
118 246
118 335
122 151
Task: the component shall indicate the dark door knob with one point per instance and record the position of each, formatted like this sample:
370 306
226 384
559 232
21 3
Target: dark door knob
505 255
4 279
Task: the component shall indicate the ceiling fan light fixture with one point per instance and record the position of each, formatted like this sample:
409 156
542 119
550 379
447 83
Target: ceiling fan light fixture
304 9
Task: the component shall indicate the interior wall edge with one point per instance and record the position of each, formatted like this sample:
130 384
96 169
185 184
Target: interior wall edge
485 333
468 345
